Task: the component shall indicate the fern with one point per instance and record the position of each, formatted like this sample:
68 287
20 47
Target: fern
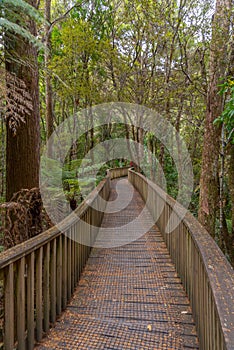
15 100
24 7
19 30
19 8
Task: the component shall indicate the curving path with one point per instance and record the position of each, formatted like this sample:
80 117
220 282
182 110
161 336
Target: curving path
128 297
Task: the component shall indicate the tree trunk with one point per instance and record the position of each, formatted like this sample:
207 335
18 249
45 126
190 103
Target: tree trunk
209 183
162 164
151 157
23 149
231 187
48 86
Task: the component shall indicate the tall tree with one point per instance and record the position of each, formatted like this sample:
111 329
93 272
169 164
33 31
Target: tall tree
48 85
209 183
23 144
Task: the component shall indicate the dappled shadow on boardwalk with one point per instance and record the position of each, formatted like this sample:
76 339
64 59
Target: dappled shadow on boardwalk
129 297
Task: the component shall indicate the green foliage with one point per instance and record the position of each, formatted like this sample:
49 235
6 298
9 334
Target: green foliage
76 54
12 14
23 7
227 117
53 175
171 175
18 30
194 204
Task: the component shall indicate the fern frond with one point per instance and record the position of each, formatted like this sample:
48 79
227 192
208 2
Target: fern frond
19 30
15 100
24 8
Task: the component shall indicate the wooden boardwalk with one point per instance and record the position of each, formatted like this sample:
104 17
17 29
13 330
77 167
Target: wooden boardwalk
128 297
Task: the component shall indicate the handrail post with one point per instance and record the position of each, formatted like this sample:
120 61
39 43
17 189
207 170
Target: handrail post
59 264
20 292
39 317
30 300
53 281
46 288
9 308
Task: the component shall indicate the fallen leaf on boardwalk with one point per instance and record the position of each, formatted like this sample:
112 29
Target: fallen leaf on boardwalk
149 327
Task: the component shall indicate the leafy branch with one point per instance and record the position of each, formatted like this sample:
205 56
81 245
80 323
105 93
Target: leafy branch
24 7
227 117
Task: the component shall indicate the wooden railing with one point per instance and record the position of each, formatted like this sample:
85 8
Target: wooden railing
207 276
39 276
118 172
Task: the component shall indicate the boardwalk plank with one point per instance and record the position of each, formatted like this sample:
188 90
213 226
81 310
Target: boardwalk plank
128 297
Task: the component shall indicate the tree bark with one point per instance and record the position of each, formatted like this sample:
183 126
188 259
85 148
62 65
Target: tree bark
48 85
209 182
23 149
231 187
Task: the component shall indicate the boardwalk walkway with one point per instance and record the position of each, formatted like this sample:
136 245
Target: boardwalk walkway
128 297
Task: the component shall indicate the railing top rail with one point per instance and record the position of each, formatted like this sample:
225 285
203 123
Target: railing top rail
11 255
117 172
219 271
119 168
202 239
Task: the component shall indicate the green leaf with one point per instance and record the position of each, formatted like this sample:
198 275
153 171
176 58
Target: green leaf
25 8
13 27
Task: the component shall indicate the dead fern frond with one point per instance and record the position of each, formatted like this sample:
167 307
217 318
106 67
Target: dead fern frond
23 217
15 100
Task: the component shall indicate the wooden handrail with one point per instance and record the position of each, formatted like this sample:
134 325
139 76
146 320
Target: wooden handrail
118 172
22 249
39 276
207 276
